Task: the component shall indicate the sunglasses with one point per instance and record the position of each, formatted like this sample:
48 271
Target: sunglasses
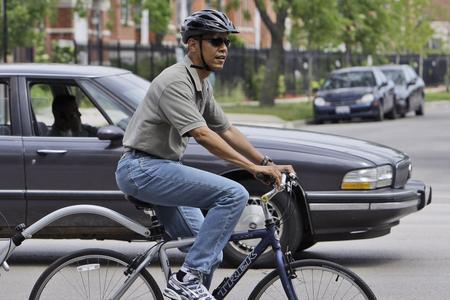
217 42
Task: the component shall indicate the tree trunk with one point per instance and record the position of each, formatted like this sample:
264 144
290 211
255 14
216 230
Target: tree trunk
269 90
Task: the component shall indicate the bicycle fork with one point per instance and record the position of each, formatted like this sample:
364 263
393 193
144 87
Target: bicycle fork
286 273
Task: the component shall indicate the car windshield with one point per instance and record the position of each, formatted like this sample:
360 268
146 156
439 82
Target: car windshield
396 76
128 86
349 79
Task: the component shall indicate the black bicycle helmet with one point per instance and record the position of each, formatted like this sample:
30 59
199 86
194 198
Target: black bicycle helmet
206 21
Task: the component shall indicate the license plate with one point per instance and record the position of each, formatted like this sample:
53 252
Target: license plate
342 110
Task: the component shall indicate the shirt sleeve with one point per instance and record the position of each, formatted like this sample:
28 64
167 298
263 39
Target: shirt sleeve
214 114
177 103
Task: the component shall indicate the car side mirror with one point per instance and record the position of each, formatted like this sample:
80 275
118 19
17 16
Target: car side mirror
110 133
384 83
412 81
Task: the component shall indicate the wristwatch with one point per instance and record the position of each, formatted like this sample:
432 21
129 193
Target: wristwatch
266 160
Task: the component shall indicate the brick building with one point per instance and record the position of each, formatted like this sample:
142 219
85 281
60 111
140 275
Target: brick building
110 21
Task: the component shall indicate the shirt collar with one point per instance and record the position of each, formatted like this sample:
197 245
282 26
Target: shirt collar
193 73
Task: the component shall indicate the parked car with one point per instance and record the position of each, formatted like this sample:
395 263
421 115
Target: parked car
362 92
355 189
409 89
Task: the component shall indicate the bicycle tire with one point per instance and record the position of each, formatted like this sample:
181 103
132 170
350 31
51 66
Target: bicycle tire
92 274
316 279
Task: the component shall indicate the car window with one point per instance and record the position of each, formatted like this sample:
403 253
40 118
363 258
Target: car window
63 109
117 114
397 76
128 87
350 79
410 73
5 120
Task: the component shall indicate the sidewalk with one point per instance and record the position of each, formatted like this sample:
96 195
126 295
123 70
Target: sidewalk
264 120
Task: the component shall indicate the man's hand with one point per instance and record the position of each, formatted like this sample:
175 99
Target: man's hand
272 171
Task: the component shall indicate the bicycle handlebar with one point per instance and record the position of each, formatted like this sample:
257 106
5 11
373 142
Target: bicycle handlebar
287 181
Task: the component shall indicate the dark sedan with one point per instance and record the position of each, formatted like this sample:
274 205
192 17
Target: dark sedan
409 89
356 92
355 189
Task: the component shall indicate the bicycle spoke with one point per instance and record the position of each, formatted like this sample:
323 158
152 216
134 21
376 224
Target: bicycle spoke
93 276
315 282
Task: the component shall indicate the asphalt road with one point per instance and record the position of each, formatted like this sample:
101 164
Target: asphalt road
413 262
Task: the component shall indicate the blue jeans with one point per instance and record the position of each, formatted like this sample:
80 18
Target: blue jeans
179 193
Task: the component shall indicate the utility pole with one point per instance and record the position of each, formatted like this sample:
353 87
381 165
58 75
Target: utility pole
5 32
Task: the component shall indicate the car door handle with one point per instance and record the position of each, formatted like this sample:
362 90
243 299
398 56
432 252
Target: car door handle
50 151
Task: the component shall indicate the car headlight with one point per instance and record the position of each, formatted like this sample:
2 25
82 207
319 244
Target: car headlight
366 99
368 179
319 101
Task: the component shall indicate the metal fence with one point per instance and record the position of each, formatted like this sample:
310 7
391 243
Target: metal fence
245 66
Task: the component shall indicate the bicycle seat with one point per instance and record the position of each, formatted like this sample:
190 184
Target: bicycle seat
138 203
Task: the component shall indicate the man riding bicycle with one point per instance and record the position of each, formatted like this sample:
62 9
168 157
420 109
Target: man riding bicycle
180 104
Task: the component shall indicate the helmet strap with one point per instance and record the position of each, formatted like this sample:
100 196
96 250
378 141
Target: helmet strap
205 65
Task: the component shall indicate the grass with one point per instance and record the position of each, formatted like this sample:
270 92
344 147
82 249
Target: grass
287 112
439 96
303 110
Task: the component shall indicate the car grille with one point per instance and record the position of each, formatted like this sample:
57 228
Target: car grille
342 100
402 173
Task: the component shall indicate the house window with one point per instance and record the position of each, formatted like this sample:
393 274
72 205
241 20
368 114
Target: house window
125 12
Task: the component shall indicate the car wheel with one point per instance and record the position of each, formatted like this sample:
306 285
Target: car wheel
318 121
393 113
420 110
286 214
379 116
307 242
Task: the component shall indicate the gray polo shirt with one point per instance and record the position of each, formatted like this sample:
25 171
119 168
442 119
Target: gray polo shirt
176 102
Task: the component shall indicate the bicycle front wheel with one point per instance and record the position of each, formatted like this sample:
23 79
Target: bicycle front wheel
92 274
315 279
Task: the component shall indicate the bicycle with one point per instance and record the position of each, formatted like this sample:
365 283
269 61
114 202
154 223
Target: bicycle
106 274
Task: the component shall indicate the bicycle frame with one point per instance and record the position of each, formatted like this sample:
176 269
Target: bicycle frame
27 233
269 237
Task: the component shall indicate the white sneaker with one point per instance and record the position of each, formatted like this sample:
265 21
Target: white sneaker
190 288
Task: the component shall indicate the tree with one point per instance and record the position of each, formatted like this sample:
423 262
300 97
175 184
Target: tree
159 16
410 29
316 24
365 24
276 53
24 18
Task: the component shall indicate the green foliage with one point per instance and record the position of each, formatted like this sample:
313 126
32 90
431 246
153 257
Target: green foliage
254 86
24 18
236 41
287 112
316 84
316 24
147 68
365 24
229 93
59 54
410 28
281 86
81 8
159 13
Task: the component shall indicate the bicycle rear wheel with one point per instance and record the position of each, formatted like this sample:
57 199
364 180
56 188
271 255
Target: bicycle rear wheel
316 279
92 274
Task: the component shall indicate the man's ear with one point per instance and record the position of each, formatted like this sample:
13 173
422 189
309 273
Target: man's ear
192 45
